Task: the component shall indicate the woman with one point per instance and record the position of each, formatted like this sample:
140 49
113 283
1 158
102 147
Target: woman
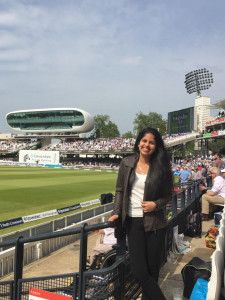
144 186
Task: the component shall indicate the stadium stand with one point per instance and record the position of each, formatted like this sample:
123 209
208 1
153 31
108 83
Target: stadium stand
178 139
107 144
93 144
15 145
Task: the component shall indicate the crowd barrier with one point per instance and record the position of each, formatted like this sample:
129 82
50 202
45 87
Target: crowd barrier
113 281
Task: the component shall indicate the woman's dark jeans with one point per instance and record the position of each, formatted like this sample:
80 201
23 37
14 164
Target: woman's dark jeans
145 250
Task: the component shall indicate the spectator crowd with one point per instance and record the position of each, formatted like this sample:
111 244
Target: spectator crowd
104 144
196 167
14 145
199 168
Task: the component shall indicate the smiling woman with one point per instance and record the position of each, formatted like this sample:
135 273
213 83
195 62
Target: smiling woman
144 186
146 148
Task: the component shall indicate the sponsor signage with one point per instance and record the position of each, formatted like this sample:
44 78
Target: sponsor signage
46 214
36 294
12 163
39 157
12 222
68 208
181 121
39 216
221 120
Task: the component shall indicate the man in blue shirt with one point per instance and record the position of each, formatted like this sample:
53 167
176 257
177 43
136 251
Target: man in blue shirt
185 175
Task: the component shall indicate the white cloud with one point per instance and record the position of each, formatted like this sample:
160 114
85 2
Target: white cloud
8 19
8 39
14 55
103 55
132 60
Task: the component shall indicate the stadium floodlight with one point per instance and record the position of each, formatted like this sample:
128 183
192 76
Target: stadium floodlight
198 80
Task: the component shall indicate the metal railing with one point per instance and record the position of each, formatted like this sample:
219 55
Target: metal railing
116 281
14 290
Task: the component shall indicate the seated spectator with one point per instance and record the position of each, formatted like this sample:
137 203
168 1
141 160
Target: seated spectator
192 173
104 243
203 171
197 174
213 196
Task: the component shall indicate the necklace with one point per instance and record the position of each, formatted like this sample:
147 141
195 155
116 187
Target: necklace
143 171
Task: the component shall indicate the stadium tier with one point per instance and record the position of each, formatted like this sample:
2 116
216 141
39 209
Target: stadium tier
116 145
12 146
103 145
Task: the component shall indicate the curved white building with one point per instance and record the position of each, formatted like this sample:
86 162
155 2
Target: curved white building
51 120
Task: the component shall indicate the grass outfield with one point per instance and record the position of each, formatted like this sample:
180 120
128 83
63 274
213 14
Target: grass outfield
26 190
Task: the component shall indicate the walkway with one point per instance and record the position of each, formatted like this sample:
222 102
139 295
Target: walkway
66 260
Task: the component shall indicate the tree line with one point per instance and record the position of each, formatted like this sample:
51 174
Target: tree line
105 128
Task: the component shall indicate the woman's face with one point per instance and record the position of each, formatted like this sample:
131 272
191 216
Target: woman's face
147 145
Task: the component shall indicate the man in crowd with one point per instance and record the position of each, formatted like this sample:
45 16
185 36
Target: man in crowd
197 174
185 175
213 196
218 162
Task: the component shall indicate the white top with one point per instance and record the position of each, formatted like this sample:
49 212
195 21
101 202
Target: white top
219 186
136 197
109 236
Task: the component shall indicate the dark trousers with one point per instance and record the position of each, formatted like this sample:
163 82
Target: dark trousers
145 250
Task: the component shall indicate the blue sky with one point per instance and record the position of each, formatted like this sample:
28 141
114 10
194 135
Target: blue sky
115 57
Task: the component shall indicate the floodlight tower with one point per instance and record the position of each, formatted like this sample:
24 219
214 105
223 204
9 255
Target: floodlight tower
195 82
198 80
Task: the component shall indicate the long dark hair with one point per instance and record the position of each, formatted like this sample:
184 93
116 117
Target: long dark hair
160 175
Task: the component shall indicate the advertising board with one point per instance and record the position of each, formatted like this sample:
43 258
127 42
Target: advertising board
181 121
39 157
35 294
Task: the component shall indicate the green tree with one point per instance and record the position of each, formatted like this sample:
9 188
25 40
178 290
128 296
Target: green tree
128 134
152 119
105 128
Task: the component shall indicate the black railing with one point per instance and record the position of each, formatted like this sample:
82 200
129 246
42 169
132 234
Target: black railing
115 281
14 290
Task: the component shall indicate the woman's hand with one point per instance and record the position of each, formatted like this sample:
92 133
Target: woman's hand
113 218
148 206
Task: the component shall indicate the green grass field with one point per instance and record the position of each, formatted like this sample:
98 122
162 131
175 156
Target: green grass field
26 190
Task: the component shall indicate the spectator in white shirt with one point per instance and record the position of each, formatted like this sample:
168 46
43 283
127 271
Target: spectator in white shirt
213 196
104 243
